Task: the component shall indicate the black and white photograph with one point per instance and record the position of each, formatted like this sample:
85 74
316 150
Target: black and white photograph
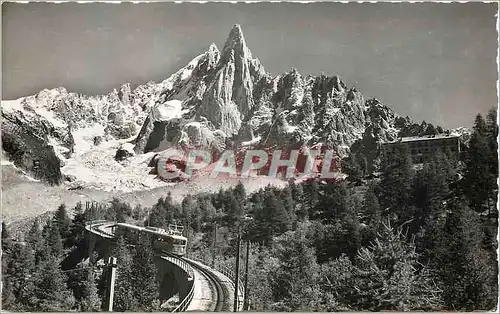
262 157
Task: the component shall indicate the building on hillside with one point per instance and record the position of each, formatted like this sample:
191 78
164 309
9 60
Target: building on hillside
423 147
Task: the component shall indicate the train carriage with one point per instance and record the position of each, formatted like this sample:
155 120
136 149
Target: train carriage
166 241
173 244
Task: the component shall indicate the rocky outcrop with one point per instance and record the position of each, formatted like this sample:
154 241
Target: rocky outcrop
201 134
30 131
26 141
124 151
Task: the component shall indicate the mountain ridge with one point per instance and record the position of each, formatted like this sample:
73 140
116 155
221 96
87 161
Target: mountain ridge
221 99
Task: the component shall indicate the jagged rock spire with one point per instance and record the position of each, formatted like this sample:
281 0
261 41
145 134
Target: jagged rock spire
213 48
236 45
235 38
230 97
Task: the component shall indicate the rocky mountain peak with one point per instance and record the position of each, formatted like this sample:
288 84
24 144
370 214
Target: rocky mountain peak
236 47
124 94
219 98
229 95
235 40
213 50
51 93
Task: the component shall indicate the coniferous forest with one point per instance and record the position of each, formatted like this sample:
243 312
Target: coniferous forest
407 238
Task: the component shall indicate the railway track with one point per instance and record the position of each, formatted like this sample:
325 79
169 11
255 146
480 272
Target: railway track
219 292
209 294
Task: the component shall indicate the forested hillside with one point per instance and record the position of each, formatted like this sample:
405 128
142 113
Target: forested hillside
414 238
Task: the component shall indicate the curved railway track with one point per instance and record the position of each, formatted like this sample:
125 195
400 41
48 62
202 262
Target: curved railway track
213 292
219 292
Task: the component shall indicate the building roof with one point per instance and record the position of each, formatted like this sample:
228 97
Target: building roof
423 138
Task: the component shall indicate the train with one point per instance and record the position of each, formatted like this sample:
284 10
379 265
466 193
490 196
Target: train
170 241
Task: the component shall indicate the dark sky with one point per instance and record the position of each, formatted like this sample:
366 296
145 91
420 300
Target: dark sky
431 61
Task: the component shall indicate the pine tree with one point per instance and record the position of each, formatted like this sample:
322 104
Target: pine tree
430 130
352 238
35 240
298 198
76 234
52 240
124 298
478 176
95 211
208 210
294 282
240 193
387 276
289 204
234 207
76 278
296 189
163 212
102 282
270 216
157 215
14 272
119 211
8 301
191 214
278 218
480 125
90 301
139 213
196 218
395 185
187 205
144 281
34 235
492 136
51 290
62 221
256 226
448 163
466 273
5 232
6 245
336 282
332 203
261 264
430 190
311 197
371 207
8 298
492 129
353 169
24 271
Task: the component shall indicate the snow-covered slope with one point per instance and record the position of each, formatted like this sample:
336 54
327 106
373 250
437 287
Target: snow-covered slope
59 136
